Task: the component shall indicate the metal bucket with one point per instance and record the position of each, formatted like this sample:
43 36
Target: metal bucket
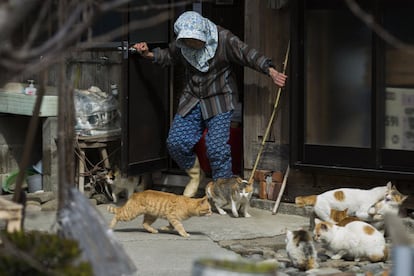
34 183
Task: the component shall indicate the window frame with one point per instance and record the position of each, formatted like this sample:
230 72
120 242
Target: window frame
373 161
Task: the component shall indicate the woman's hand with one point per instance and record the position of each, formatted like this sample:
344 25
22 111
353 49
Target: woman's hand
143 50
278 78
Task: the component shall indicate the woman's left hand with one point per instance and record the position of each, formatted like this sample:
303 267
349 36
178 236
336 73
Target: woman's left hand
278 78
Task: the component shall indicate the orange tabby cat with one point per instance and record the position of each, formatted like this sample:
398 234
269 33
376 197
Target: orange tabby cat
341 217
157 204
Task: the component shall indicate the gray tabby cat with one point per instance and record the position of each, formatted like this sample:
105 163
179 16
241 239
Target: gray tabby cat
234 191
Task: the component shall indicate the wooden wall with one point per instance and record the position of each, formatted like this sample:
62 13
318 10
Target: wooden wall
266 29
98 68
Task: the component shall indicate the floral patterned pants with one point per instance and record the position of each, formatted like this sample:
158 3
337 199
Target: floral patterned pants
186 131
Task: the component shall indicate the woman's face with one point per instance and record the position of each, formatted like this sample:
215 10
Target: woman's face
193 43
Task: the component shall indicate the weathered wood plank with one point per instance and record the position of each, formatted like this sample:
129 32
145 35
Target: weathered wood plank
268 33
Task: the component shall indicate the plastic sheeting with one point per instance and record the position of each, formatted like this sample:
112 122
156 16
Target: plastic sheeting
96 112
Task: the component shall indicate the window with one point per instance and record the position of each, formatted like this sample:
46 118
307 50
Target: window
353 96
399 81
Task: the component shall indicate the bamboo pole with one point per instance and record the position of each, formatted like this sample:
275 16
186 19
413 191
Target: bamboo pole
282 189
269 125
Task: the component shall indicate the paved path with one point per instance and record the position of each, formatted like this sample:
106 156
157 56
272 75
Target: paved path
170 254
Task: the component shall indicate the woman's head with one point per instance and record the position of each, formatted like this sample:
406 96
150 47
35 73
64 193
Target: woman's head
193 43
192 30
197 37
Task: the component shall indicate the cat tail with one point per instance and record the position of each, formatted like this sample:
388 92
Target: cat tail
302 201
312 264
112 209
386 254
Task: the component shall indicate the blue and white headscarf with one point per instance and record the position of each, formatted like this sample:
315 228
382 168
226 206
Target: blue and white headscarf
192 25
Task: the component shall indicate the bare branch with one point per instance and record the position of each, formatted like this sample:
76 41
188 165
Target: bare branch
12 14
36 27
147 7
377 28
57 27
134 25
64 35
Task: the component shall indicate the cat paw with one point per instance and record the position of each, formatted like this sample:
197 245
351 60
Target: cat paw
378 217
166 228
247 215
185 235
222 212
371 211
336 257
151 229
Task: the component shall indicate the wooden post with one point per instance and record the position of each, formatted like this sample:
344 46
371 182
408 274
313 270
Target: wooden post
11 212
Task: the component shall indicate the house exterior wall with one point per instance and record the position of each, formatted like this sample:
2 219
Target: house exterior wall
268 30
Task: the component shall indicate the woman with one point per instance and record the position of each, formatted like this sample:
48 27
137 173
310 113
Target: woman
208 52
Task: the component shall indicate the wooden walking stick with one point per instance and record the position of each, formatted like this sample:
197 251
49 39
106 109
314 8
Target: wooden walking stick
269 125
282 189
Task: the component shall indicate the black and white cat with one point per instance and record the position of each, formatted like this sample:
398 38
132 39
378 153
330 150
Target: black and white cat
120 184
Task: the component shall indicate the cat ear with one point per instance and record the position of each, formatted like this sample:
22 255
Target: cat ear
239 180
346 210
389 185
203 199
317 221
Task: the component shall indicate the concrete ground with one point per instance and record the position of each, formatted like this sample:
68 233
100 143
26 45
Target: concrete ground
167 253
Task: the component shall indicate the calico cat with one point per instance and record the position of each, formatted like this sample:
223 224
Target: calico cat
356 240
358 202
235 191
156 204
301 249
119 184
378 211
389 204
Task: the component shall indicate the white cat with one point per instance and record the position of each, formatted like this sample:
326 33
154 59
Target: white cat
301 249
359 202
356 240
